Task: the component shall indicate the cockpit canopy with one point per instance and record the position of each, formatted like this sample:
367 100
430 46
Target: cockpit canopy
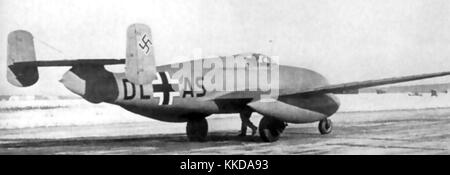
256 58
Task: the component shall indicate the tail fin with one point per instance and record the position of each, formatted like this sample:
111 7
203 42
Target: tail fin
22 70
140 58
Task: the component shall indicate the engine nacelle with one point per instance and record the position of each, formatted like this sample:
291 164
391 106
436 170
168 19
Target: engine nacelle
296 109
92 82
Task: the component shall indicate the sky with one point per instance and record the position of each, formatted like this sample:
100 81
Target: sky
346 40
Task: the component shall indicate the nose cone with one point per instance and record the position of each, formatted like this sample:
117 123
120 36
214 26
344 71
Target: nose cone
74 83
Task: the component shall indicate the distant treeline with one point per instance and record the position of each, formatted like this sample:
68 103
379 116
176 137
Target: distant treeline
36 97
440 88
13 109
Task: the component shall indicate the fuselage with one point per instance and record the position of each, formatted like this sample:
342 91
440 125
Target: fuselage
181 90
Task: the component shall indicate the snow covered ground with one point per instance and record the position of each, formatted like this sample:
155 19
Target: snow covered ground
75 112
381 102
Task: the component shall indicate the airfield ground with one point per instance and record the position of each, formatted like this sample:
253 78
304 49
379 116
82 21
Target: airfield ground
386 132
356 131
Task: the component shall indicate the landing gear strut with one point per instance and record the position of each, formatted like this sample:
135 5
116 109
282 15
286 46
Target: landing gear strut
325 126
270 129
197 129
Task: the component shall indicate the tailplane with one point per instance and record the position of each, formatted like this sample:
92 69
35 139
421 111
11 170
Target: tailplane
140 59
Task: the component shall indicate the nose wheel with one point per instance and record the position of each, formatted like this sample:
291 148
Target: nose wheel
325 126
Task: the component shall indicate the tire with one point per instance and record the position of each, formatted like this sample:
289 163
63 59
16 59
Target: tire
270 129
325 126
197 130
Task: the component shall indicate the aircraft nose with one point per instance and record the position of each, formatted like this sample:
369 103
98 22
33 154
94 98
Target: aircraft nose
74 83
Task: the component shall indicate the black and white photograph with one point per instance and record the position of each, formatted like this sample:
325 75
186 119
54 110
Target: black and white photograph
225 77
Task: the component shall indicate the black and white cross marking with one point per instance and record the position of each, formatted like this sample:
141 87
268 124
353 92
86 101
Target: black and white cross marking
145 44
163 88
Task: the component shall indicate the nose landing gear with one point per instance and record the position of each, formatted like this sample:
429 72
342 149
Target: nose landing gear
325 126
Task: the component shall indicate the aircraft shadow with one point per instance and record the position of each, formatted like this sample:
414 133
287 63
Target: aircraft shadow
136 140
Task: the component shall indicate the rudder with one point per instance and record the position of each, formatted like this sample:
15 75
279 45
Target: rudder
22 70
140 58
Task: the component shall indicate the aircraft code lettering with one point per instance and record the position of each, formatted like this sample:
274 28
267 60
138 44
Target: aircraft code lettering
130 96
164 88
188 89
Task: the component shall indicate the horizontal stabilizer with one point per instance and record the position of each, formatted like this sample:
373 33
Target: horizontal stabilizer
60 63
22 67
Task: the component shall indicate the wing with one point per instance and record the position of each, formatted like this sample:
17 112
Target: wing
339 88
336 88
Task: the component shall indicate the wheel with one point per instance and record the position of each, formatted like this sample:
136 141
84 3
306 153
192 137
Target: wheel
270 129
197 130
325 126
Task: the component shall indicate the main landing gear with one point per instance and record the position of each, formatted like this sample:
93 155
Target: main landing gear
325 126
197 129
270 129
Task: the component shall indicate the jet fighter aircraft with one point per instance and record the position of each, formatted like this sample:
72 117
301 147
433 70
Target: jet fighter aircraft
193 90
